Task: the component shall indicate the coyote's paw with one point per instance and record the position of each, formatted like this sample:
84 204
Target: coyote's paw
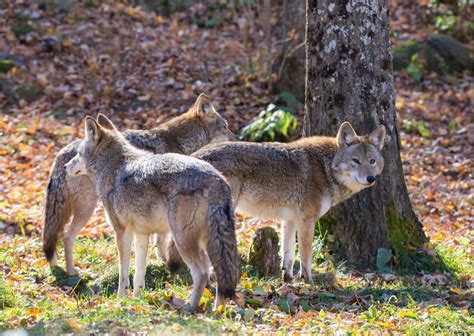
122 291
287 277
138 291
307 278
73 271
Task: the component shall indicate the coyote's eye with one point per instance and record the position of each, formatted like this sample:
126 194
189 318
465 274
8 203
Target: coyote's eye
356 160
372 161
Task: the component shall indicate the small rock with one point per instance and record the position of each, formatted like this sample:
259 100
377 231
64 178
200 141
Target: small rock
442 131
370 276
10 230
389 277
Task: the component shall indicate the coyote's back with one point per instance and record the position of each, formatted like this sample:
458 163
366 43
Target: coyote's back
298 182
75 197
198 202
146 193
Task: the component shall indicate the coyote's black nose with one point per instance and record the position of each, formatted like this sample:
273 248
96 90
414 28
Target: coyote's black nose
370 179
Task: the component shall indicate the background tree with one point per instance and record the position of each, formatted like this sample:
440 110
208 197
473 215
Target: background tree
289 65
349 77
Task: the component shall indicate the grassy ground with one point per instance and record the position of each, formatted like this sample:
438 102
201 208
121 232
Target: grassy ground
48 302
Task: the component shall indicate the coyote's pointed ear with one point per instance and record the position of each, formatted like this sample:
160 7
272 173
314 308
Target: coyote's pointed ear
346 135
91 129
204 107
105 122
377 137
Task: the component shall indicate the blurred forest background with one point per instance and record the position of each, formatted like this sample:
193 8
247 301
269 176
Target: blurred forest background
143 62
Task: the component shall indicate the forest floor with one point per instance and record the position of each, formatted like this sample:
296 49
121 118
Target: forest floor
141 69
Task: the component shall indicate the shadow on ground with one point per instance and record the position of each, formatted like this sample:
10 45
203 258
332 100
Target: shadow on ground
157 275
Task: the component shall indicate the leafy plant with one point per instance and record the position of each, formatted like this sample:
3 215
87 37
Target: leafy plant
416 126
415 70
371 314
446 23
452 125
453 21
273 123
6 65
460 3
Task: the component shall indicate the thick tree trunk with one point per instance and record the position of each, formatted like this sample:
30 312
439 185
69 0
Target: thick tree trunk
349 78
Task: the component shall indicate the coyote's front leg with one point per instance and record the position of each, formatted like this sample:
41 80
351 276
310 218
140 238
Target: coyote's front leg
288 229
124 246
141 251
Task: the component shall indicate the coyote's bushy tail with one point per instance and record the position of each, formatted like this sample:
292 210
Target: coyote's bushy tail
57 209
222 243
166 250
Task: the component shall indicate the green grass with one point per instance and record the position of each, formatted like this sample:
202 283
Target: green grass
443 321
457 260
52 303
6 295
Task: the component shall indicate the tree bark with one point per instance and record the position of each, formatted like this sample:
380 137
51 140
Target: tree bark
349 77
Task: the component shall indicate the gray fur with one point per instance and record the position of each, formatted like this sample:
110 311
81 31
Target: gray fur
76 196
146 193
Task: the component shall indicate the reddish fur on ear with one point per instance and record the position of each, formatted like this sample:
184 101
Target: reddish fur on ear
377 137
203 106
91 129
346 135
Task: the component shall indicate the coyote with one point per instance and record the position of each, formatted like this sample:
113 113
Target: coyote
75 196
298 182
145 193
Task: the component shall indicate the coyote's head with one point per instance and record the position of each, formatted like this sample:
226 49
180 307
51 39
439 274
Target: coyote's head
359 159
216 127
97 134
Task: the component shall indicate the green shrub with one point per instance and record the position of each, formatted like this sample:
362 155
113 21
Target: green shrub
415 68
273 123
416 127
22 30
6 65
446 23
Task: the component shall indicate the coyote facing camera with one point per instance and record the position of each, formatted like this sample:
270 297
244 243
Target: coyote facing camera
298 182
